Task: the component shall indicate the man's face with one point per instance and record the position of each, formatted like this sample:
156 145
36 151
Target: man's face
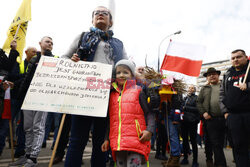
238 60
101 18
191 89
46 44
30 53
213 78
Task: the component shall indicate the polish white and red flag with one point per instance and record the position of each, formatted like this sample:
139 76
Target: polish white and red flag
184 58
6 106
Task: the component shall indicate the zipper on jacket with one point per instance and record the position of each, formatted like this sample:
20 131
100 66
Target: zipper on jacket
120 122
120 117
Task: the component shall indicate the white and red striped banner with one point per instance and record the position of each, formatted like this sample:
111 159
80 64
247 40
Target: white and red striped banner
6 106
184 58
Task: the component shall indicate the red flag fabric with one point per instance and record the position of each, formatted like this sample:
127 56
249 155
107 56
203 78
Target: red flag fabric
1 78
184 58
200 128
6 106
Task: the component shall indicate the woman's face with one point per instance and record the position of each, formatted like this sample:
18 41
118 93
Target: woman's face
101 18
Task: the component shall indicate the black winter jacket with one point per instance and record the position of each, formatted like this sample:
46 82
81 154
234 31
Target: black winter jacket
232 99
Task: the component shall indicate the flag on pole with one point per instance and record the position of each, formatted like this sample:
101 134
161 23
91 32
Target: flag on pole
184 58
6 105
18 27
1 79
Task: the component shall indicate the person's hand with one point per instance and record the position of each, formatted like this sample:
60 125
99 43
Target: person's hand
242 86
75 57
145 136
175 122
5 85
206 116
11 84
226 115
13 45
105 146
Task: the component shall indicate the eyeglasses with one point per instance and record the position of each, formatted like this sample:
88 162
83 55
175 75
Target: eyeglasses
98 12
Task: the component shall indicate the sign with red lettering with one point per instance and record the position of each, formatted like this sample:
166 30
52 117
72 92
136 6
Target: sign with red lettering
61 85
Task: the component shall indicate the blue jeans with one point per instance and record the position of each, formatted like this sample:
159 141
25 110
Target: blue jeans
80 129
49 120
174 138
4 127
153 138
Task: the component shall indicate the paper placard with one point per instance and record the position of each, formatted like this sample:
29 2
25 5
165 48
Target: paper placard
63 86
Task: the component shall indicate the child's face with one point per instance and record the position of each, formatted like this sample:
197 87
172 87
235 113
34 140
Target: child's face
122 74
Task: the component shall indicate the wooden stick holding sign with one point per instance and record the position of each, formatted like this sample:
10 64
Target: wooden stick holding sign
11 141
57 140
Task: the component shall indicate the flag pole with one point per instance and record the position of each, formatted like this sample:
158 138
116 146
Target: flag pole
178 32
57 141
11 141
17 31
245 78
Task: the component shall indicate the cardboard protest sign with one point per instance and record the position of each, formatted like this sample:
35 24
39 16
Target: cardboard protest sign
61 85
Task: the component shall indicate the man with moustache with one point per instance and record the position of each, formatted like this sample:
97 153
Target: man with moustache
214 121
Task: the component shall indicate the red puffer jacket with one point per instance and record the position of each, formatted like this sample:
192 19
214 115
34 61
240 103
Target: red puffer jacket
127 120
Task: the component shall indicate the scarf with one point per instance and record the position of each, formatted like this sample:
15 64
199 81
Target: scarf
91 40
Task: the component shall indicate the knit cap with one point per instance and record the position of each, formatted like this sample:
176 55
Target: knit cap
130 64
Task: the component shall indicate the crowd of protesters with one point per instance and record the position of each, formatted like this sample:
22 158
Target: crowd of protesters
222 107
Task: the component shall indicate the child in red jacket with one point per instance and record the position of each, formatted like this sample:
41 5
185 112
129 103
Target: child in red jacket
129 135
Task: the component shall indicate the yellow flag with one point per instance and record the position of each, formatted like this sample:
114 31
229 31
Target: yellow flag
22 17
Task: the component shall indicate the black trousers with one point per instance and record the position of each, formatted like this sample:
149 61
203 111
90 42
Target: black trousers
162 139
64 139
214 130
189 129
239 126
80 128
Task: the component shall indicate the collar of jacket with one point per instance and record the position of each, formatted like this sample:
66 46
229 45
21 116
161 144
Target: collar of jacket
129 84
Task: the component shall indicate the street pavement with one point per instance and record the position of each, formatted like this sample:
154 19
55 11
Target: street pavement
45 155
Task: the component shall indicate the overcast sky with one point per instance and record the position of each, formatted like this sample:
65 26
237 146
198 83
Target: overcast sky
220 25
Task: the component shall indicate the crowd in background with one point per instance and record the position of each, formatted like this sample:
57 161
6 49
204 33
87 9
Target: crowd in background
221 109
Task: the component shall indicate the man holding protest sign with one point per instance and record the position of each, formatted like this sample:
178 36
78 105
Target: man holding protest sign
34 121
235 104
98 45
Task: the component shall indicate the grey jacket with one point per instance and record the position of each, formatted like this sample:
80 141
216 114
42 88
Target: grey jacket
203 101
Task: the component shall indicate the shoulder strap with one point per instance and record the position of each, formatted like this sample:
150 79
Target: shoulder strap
80 41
